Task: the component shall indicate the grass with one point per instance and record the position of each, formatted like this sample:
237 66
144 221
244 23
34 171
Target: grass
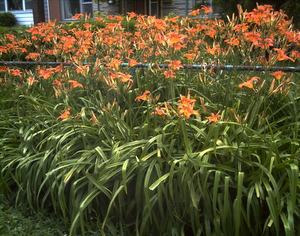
22 220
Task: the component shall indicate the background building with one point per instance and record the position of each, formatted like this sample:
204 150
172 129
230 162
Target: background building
30 12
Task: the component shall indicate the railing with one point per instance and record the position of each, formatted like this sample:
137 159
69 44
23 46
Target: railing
186 66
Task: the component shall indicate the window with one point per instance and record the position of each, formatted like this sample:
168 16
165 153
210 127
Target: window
72 7
2 5
150 7
15 5
154 8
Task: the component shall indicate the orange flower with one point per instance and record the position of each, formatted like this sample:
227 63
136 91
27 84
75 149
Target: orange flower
132 62
278 74
195 12
114 63
186 101
94 119
169 74
206 9
46 73
144 96
32 55
3 68
160 111
65 114
76 16
15 72
243 27
75 84
213 50
187 111
213 117
99 19
31 80
189 56
125 77
235 42
281 55
249 83
174 38
252 37
174 65
131 14
186 106
34 30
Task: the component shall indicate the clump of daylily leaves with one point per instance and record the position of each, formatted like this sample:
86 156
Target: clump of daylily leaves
136 127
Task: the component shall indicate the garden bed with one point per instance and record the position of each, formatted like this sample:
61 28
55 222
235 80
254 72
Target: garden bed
118 141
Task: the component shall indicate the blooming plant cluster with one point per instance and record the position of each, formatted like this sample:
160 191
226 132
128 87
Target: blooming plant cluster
108 109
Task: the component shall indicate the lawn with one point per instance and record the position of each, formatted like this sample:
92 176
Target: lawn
134 125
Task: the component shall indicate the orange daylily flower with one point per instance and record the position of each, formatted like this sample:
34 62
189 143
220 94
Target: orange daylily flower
34 30
249 83
213 50
99 19
3 68
169 74
206 9
187 111
31 80
186 101
32 55
160 111
75 84
189 56
94 119
131 14
144 96
46 73
186 106
132 62
234 42
278 74
195 12
243 27
125 77
253 37
65 114
174 38
76 16
15 72
174 65
281 55
213 117
115 63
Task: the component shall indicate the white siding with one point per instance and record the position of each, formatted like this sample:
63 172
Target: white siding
24 17
46 11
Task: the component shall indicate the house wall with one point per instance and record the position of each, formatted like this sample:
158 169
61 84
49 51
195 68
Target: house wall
167 6
46 11
24 17
105 8
54 10
177 7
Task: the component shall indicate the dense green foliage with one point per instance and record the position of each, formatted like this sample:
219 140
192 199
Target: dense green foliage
170 150
8 19
24 221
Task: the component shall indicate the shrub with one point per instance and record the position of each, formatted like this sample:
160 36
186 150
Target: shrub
8 19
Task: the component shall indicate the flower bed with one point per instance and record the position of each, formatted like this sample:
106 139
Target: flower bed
163 150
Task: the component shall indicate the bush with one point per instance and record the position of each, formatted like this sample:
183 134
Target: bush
8 19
